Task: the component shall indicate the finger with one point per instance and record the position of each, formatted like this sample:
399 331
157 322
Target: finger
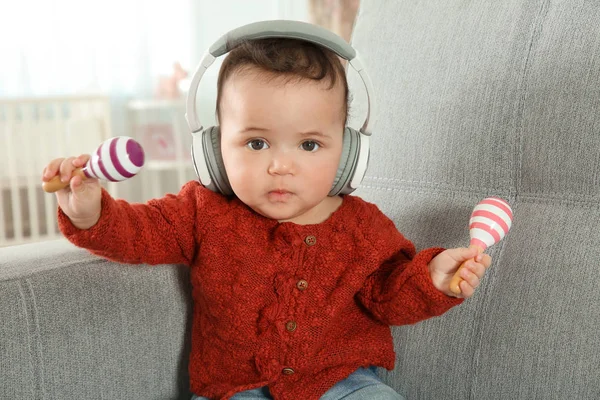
463 253
476 268
66 169
471 278
76 184
81 160
91 181
51 169
62 196
483 256
486 261
87 184
466 290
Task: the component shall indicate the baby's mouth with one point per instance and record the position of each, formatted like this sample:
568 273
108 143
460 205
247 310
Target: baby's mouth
279 194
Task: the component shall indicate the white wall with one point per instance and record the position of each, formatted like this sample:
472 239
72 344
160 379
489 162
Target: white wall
181 33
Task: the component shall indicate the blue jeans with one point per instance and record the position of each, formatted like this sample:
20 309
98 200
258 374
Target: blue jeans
363 384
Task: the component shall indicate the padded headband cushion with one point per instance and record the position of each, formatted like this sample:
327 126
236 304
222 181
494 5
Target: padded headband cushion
283 29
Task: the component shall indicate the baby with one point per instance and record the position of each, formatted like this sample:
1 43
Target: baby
294 290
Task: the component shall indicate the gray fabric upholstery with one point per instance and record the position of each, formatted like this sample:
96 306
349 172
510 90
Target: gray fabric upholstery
74 326
473 99
493 98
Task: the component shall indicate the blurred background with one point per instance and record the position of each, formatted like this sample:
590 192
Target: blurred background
75 73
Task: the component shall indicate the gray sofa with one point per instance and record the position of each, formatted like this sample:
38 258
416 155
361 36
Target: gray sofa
474 98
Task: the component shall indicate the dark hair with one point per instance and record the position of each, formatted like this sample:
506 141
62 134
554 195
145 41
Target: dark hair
292 59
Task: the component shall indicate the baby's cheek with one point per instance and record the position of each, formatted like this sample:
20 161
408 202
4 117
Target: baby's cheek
237 171
239 184
245 184
324 174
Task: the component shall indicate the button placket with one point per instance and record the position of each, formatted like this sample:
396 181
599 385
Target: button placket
301 284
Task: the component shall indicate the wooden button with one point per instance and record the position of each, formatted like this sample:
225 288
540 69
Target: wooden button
310 240
291 326
287 371
301 284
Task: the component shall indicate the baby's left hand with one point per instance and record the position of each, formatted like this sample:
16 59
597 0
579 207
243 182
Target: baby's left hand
445 264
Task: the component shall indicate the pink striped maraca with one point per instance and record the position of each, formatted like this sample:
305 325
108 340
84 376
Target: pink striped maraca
116 159
490 221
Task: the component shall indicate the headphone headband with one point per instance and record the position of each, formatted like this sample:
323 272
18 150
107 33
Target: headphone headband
283 29
276 29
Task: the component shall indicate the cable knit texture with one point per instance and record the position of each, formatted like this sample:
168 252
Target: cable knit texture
294 307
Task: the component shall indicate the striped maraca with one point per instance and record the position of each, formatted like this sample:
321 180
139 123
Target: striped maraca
490 221
116 159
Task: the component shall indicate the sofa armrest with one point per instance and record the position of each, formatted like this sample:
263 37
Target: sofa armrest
78 326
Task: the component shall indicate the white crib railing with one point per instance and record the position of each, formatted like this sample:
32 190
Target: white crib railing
33 132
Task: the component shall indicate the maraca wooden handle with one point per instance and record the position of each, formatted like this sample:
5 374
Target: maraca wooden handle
55 184
456 279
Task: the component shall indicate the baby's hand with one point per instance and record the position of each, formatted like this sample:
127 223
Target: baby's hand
445 264
80 200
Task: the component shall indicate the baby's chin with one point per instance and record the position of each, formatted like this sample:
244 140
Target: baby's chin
298 212
279 215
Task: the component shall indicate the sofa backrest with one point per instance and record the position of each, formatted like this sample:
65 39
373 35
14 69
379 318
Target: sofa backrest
481 98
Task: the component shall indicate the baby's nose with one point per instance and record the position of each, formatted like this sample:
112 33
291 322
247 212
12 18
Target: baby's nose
281 164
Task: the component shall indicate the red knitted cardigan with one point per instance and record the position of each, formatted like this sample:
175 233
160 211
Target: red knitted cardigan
294 307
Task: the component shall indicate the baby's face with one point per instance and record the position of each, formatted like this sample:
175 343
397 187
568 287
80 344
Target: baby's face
281 144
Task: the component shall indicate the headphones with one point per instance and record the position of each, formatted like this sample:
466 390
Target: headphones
206 143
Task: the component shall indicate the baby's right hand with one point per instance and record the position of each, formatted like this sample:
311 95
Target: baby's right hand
80 200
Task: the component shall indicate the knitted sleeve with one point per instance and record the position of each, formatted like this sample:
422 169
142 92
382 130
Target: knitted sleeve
161 231
401 291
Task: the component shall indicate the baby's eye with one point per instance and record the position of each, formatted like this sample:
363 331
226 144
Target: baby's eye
257 144
310 145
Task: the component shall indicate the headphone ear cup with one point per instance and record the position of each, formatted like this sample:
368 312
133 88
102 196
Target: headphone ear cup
347 166
208 161
198 159
214 157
